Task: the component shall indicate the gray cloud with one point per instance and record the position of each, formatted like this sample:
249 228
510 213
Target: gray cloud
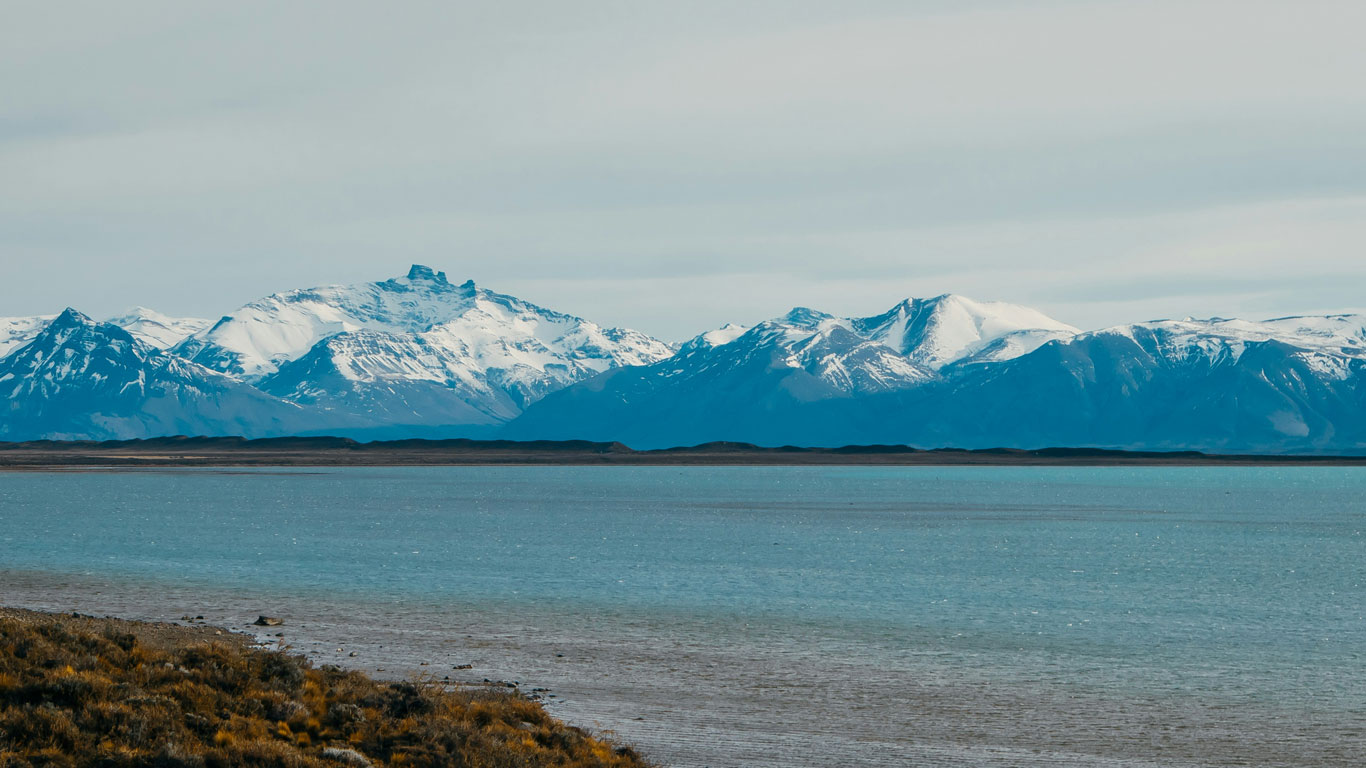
671 167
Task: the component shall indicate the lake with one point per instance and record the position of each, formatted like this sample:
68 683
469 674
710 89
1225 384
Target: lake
761 616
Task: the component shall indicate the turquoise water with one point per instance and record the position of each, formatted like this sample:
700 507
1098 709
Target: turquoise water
1226 585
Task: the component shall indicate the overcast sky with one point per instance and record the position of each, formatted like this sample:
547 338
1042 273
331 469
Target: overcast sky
672 166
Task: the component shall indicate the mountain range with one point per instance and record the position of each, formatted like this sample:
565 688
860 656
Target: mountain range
419 356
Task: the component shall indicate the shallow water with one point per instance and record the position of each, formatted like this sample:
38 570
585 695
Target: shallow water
776 616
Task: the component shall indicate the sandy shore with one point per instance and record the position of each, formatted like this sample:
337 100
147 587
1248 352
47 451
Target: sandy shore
744 698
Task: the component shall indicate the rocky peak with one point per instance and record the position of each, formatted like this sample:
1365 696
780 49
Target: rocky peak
424 273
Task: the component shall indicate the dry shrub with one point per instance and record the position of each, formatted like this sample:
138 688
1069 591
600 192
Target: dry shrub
74 694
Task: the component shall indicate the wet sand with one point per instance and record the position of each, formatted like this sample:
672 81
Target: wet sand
744 696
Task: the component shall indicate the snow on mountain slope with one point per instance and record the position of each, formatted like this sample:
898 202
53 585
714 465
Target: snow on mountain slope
146 325
483 367
15 332
161 331
483 328
828 348
1326 344
1330 333
389 380
752 384
255 340
1285 385
939 331
723 335
413 350
80 379
900 348
1014 344
501 332
1217 385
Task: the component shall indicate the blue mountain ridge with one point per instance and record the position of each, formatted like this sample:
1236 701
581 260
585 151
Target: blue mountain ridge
80 379
418 357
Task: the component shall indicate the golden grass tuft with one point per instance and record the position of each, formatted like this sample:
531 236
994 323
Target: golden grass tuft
87 693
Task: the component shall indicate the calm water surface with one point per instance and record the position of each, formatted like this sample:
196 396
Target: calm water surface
908 615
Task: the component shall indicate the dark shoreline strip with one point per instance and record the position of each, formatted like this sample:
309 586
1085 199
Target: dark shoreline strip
205 452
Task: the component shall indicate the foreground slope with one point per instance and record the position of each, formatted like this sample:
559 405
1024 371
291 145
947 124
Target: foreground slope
79 379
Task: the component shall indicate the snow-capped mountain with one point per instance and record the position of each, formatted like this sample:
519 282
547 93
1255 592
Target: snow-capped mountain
755 384
1324 343
158 330
901 348
948 329
1291 384
15 332
257 339
144 324
413 350
830 350
419 356
254 341
723 335
80 379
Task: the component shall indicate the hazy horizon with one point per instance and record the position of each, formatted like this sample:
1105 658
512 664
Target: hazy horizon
855 312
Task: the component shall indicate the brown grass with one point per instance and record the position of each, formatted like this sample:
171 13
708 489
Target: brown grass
84 692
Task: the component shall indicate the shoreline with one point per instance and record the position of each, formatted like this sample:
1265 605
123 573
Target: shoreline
693 701
322 452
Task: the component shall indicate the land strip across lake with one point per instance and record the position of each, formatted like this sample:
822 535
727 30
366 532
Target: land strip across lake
340 452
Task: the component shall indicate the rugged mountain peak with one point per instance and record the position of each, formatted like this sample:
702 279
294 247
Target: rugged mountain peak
419 272
77 351
70 317
64 327
805 317
414 349
255 340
